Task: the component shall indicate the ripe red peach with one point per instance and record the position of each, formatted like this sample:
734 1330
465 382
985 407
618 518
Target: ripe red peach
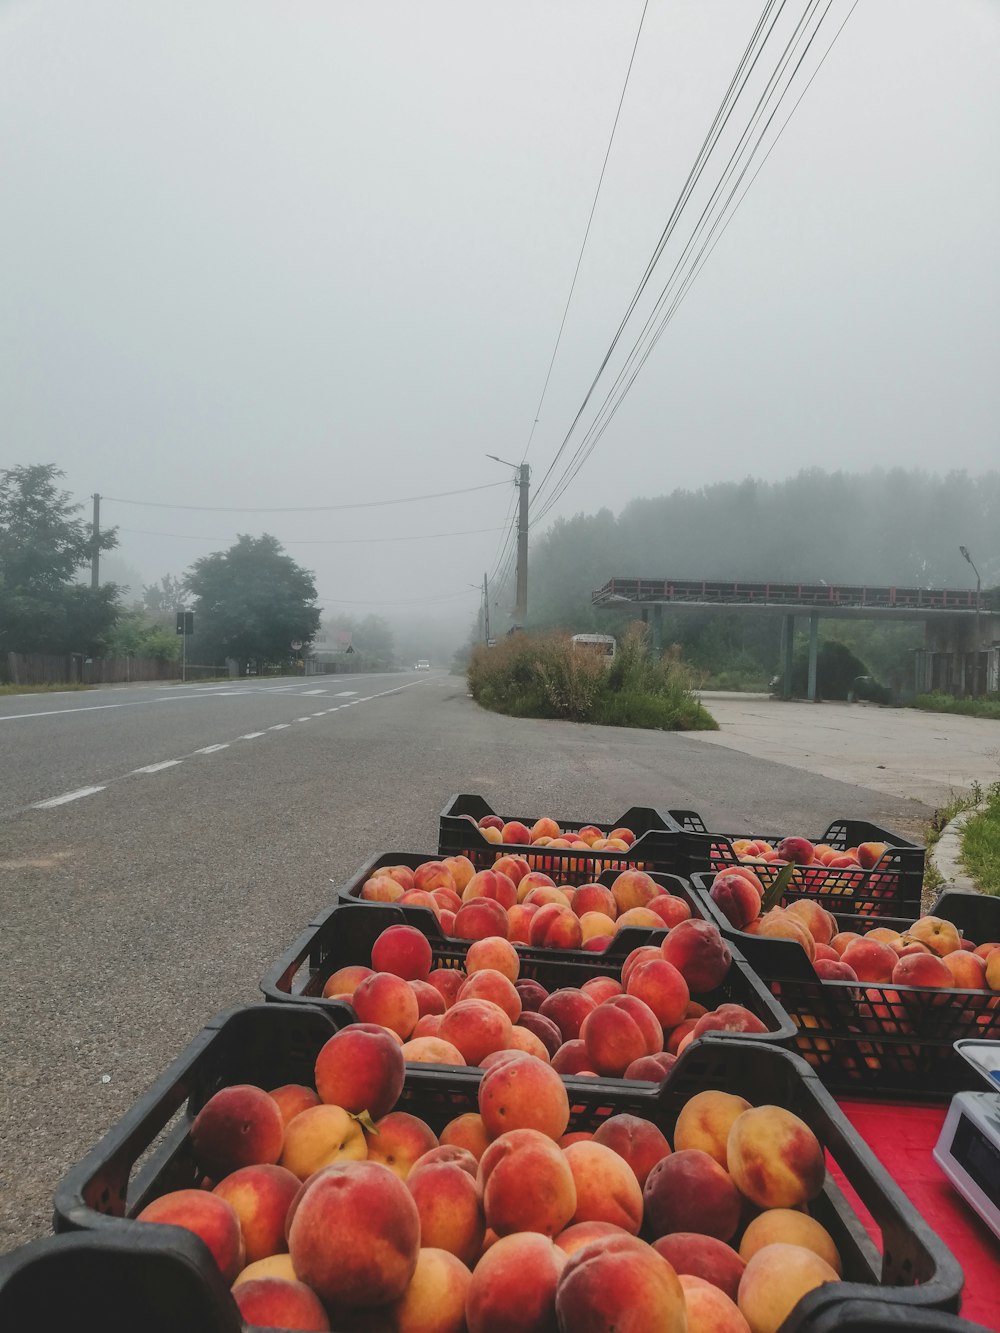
387 1001
643 954
606 1187
651 1068
293 1098
869 853
404 951
704 1257
427 1026
345 980
491 884
967 971
597 943
276 1302
429 998
634 888
870 959
660 985
602 988
546 895
543 1028
820 923
524 1093
710 1310
445 900
940 936
260 1196
398 1140
519 922
670 909
595 925
421 898
446 1154
843 940
238 1126
582 1233
526 1184
729 1018
476 1027
319 1137
736 898
594 898
515 834
487 984
493 954
705 1121
275 1265
514 867
775 1280
513 1286
700 954
361 1068
797 850
431 1051
434 1302
448 981
571 1058
451 1215
640 918
355 1235
533 994
522 1039
922 970
403 875
466 1131
619 1031
567 1008
834 971
381 888
480 918
555 927
788 1226
775 1158
433 875
208 1216
461 869
690 1191
614 1274
534 879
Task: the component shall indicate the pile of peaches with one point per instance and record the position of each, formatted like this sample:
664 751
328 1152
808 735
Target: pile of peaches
930 952
326 1207
802 852
633 1027
525 905
546 832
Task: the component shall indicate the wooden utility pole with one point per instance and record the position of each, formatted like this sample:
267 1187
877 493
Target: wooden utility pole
95 550
521 601
486 610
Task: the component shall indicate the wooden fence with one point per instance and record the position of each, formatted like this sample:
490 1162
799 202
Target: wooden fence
75 669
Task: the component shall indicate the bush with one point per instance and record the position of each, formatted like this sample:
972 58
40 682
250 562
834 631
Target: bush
531 675
988 706
839 674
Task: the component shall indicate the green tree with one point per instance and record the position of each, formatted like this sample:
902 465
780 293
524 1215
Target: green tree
167 595
139 636
43 544
252 602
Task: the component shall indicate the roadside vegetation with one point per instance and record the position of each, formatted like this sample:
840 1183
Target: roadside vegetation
947 703
543 675
981 842
41 689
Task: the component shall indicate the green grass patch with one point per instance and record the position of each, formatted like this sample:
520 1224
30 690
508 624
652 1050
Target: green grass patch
981 843
41 689
543 675
989 706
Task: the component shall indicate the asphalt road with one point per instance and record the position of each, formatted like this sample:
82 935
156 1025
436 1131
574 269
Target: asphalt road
132 913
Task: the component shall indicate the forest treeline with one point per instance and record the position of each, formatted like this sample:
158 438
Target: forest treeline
894 527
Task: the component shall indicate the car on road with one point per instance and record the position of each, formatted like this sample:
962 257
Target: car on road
422 665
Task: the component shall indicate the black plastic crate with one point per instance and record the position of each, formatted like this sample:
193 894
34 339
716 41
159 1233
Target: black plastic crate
883 1039
658 844
891 888
822 1311
274 1044
127 1279
346 934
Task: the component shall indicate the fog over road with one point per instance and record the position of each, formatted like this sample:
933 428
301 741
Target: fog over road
134 912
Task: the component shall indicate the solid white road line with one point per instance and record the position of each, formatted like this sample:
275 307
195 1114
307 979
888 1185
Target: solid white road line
68 796
211 749
157 768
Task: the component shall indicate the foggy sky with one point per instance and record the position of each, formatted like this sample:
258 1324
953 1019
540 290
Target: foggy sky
271 253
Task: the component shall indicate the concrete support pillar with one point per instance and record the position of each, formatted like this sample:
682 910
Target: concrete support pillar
787 647
813 653
656 629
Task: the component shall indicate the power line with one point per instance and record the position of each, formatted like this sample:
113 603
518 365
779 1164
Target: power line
304 509
320 541
586 234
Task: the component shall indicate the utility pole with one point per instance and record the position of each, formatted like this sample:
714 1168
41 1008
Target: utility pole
521 605
95 552
486 611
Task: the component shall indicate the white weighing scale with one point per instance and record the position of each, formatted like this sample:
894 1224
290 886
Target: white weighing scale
968 1149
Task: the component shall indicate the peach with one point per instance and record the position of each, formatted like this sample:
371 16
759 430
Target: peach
293 1098
238 1126
940 936
662 987
519 922
797 850
775 1158
736 898
670 909
842 941
210 1217
461 870
651 1068
433 875
434 1302
634 888
619 1031
493 954
834 971
355 1235
705 1121
275 1265
513 1287
444 900
582 1233
546 895
514 833
388 1001
781 924
967 971
427 1026
476 1027
398 1140
260 1196
479 918
787 1226
555 927
616 1274
489 821
590 833
534 879
993 970
775 1280
870 853
404 951
526 1184
361 1068
514 867
729 1018
403 875
594 898
595 925
638 1141
487 984
381 888
451 1216
606 1187
567 1008
545 828
448 981
521 1039
820 923
421 898
524 1093
710 1310
870 959
431 1051
345 980
883 935
446 1154
624 835
825 951
429 998
690 1191
571 1058
321 1136
700 954
490 884
597 943
643 954
491 834
984 950
276 1302
466 1131
703 1257
543 1028
446 920
922 970
602 988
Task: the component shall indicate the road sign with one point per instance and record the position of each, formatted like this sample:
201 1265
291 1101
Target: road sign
296 645
185 622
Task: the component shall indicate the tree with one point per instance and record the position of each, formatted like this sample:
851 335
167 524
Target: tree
139 636
167 595
42 546
252 601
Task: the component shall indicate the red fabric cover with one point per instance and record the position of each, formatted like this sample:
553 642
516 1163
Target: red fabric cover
902 1137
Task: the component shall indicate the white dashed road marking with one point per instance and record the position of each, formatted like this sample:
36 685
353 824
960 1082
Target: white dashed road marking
157 768
304 719
212 749
345 694
68 796
280 726
314 691
251 735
